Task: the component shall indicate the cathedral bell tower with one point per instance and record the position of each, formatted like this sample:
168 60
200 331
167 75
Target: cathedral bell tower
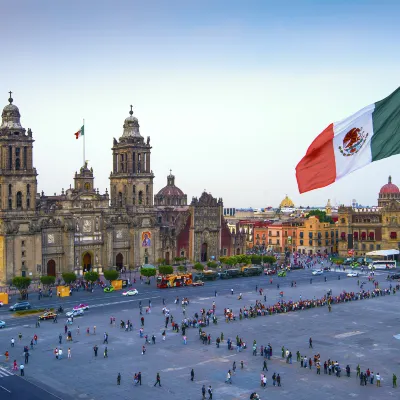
131 179
18 184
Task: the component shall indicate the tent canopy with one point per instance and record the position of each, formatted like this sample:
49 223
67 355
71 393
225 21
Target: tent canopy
383 253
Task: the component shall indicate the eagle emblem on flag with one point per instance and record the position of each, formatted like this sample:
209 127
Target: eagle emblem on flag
353 141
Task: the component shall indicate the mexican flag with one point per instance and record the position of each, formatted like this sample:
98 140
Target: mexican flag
369 135
80 133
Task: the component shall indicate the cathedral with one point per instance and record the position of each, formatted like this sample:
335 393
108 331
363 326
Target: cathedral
81 229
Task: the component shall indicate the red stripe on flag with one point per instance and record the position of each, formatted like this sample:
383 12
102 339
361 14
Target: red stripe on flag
317 168
77 134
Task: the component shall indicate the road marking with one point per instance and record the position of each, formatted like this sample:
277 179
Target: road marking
348 334
122 302
5 389
4 373
220 359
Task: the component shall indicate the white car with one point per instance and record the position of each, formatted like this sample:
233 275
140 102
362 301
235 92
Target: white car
74 313
81 306
130 292
318 272
2 324
1 304
352 274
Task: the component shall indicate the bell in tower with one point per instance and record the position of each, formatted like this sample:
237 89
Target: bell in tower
131 179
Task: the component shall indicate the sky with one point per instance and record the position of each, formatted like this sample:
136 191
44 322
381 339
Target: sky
231 93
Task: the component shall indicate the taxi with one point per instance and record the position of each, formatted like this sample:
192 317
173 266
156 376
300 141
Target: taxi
47 315
130 292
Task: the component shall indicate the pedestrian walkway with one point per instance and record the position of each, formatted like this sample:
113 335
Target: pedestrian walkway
4 373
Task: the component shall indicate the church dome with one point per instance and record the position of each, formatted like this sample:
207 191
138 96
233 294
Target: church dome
131 126
11 118
286 203
389 188
170 194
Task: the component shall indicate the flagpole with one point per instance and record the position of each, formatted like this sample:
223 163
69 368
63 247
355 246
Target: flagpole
84 134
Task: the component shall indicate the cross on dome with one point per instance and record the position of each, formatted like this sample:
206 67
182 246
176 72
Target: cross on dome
10 98
131 112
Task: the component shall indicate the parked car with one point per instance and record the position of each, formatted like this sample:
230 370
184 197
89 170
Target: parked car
130 292
198 283
2 324
75 313
81 307
23 305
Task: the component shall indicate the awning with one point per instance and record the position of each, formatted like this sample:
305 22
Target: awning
383 253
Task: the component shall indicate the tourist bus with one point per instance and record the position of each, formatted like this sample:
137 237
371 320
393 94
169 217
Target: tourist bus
382 264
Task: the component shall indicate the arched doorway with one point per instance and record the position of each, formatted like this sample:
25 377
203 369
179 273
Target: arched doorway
119 261
51 268
204 249
167 258
87 261
238 251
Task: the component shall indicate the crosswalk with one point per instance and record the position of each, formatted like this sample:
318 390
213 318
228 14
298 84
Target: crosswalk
4 373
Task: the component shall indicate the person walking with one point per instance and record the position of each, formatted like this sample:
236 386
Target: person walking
95 349
106 352
158 379
378 380
119 379
203 392
310 343
192 375
228 377
394 380
21 368
69 352
142 321
60 353
278 380
265 368
210 393
12 342
59 338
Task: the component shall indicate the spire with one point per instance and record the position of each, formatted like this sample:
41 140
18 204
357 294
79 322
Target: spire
10 99
131 112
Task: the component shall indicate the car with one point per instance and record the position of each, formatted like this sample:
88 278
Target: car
130 292
395 276
318 272
108 289
282 274
327 268
198 283
2 324
47 315
23 305
81 307
353 274
75 313
269 271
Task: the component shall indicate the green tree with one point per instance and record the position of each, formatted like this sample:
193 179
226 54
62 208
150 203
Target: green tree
321 215
255 259
223 259
22 283
165 270
47 281
92 276
111 274
269 259
198 266
161 261
182 268
212 264
69 277
148 272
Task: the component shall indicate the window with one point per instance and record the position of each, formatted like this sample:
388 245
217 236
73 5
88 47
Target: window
159 219
23 254
120 199
326 242
121 158
225 252
301 242
270 241
19 200
301 235
278 241
87 186
355 246
343 220
363 246
285 233
319 235
17 152
393 235
310 235
147 188
310 242
355 234
10 190
28 203
363 235
23 263
10 204
28 189
326 234
371 247
25 157
23 243
378 246
17 164
371 235
140 197
343 236
10 157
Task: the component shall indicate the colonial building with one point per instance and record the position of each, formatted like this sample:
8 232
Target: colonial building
81 229
365 229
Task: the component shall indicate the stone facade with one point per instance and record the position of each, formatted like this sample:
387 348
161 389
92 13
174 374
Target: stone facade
82 229
366 229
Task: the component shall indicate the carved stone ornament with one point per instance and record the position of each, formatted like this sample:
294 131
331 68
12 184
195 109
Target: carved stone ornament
51 223
87 226
12 227
34 227
145 222
50 238
118 234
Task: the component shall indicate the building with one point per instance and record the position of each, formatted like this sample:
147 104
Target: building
315 237
365 229
81 229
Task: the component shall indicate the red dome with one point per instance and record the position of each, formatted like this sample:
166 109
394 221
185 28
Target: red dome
170 191
389 188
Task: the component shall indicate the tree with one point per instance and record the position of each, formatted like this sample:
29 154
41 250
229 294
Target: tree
47 280
92 276
69 277
223 259
148 272
321 215
161 261
198 266
22 283
255 259
111 274
164 270
212 264
182 268
269 259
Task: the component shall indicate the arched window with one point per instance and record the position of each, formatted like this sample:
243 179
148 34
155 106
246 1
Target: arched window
28 189
10 189
87 186
147 189
17 164
19 200
120 199
140 197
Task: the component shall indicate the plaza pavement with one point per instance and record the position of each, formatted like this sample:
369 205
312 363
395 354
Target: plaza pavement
360 332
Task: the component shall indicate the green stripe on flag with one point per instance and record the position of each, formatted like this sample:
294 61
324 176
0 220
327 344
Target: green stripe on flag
385 141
